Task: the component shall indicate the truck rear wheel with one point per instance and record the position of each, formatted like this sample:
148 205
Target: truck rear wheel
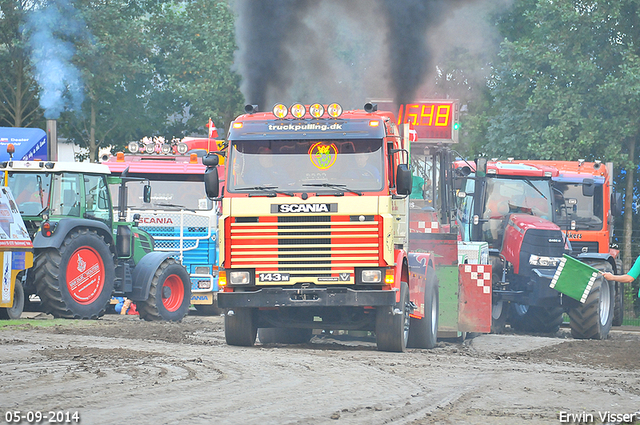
284 335
593 319
392 323
423 333
240 327
169 294
75 281
536 319
15 311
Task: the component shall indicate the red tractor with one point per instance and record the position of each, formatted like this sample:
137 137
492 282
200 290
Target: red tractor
512 205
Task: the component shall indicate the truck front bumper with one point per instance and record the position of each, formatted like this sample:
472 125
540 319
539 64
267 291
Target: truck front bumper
306 297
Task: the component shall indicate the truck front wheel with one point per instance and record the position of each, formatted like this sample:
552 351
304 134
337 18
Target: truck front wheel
240 327
392 323
15 311
75 281
169 294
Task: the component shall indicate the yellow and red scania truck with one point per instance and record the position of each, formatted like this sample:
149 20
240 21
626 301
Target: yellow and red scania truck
316 233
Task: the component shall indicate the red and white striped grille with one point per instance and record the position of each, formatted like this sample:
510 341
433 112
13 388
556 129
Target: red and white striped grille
305 247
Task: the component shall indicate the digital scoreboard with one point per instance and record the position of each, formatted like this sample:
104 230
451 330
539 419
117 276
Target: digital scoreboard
433 120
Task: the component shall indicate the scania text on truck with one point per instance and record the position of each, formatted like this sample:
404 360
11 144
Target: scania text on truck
314 232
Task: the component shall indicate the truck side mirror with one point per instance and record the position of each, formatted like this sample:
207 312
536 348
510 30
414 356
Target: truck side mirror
146 194
212 181
481 167
404 180
210 160
588 187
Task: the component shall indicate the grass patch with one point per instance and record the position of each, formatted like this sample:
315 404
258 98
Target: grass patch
38 323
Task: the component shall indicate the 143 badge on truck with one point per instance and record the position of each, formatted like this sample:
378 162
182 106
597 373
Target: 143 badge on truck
274 277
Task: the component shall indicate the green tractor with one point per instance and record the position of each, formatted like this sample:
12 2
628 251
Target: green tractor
82 256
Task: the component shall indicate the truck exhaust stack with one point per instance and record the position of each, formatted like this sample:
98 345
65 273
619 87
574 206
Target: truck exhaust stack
52 140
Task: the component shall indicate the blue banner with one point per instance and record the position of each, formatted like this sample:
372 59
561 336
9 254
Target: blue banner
30 143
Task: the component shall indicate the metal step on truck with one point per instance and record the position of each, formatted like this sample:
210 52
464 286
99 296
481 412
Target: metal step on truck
315 232
82 255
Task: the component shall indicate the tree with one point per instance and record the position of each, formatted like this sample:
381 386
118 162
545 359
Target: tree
567 86
117 78
18 90
194 47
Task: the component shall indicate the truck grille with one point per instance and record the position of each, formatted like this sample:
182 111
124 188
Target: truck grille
579 247
305 246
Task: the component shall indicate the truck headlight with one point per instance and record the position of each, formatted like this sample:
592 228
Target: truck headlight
371 276
204 284
239 278
540 260
203 270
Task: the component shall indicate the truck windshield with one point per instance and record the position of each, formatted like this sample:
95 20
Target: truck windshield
168 191
586 211
306 165
512 195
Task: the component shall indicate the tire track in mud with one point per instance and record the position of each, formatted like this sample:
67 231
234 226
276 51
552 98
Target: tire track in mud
187 375
107 376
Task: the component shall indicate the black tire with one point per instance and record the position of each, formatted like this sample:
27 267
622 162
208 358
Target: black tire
618 308
169 293
15 311
499 315
423 333
284 335
593 319
393 323
81 250
240 327
536 319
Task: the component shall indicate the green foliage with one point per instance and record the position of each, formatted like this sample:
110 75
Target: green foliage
18 91
194 47
565 86
148 68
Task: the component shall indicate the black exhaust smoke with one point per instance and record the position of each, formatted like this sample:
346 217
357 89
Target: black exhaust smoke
408 22
289 50
263 30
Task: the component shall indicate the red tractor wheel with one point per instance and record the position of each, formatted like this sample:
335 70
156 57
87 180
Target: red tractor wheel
169 294
75 281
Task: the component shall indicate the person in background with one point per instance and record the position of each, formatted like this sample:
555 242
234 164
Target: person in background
29 194
125 306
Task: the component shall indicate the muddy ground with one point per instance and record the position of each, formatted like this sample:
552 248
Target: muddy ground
122 370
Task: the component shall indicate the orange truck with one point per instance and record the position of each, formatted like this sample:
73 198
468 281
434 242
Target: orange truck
586 210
